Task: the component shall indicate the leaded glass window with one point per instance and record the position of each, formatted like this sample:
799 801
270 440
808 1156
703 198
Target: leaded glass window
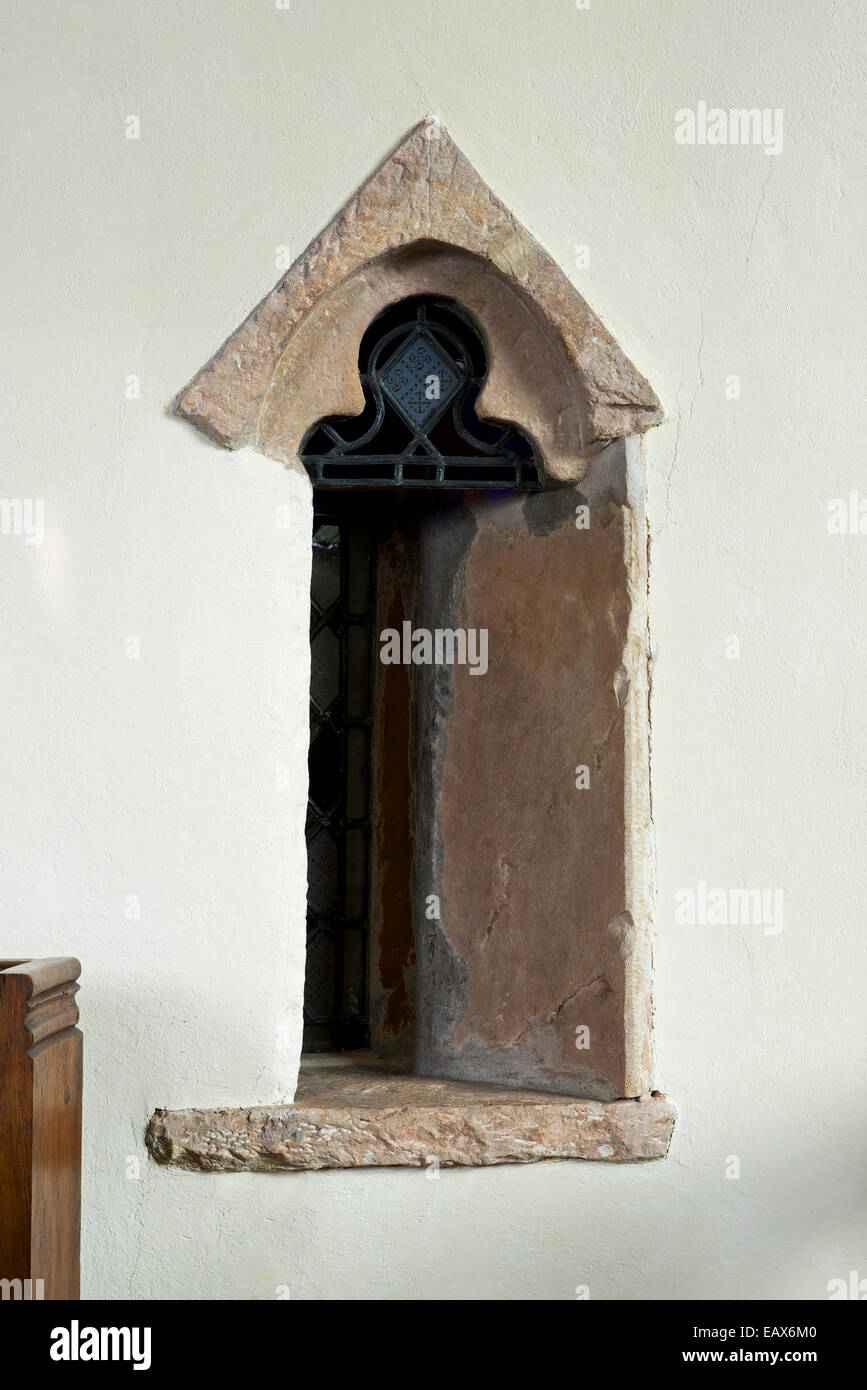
422 364
338 809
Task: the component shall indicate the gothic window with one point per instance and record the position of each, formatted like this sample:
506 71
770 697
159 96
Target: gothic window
479 849
422 365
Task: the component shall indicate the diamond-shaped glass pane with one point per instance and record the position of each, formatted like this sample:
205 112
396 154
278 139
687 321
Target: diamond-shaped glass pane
319 977
322 873
325 668
325 584
420 380
324 766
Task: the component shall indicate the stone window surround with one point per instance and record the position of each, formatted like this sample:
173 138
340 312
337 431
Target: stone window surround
426 223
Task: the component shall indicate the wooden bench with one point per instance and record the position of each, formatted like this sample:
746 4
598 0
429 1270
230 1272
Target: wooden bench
40 1129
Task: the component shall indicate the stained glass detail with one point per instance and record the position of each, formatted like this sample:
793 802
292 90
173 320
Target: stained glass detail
422 365
420 381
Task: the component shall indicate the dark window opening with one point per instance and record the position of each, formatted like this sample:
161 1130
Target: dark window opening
422 364
338 809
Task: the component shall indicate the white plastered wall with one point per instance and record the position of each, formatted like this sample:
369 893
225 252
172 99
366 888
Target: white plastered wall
178 778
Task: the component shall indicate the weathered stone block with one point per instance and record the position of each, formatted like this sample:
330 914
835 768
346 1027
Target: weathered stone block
359 1116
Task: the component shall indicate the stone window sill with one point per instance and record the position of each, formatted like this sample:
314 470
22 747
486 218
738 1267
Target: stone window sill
352 1112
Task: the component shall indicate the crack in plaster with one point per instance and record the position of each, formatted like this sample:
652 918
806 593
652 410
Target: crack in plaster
756 222
670 474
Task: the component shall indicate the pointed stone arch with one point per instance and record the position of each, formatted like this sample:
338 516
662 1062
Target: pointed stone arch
425 222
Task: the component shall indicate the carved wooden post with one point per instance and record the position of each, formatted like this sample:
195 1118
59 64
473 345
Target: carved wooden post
40 1129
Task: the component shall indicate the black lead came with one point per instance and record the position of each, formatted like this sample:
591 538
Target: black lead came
422 364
